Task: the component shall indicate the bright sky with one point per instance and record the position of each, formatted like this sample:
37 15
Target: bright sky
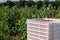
16 0
3 0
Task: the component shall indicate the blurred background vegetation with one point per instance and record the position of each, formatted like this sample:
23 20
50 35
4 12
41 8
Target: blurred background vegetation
13 16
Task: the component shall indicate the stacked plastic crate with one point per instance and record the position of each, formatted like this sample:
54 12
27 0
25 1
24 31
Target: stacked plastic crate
41 29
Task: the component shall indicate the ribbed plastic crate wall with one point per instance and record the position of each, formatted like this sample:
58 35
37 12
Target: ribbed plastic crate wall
43 29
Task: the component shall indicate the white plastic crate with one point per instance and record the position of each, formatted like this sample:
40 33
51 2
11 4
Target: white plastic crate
43 29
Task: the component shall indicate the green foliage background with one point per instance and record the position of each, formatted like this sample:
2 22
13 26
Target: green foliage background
13 20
